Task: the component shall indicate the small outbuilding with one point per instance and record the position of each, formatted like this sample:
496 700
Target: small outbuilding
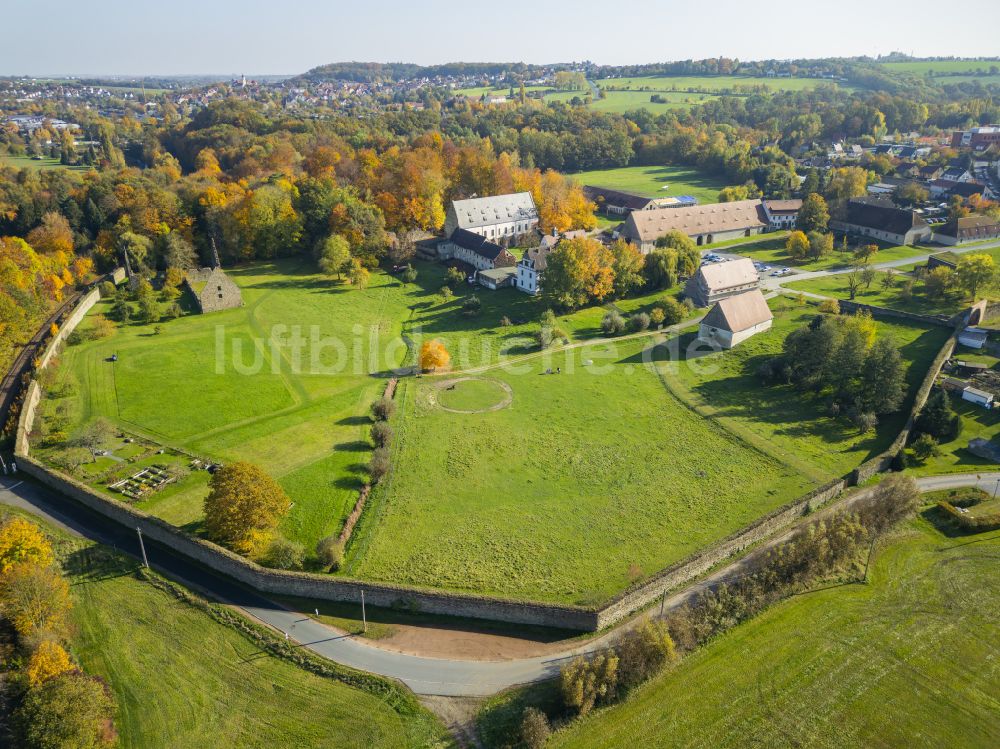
213 290
979 397
734 319
973 337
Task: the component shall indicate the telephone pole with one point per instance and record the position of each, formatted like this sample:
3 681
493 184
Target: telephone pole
142 546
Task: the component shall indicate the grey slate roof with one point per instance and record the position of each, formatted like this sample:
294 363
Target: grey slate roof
477 244
497 209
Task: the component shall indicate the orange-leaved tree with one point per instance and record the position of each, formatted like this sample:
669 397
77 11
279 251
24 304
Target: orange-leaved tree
243 507
433 355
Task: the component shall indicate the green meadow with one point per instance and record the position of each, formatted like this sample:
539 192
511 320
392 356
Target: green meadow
651 181
901 661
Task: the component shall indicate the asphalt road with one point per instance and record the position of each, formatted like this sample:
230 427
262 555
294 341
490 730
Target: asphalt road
429 676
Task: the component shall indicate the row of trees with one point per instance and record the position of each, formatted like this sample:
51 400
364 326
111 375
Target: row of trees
582 270
840 356
55 704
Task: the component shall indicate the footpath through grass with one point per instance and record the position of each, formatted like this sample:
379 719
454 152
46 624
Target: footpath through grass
902 661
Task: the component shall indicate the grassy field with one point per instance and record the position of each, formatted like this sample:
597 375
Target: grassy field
589 480
794 427
27 162
179 677
194 385
710 83
620 102
920 303
772 251
650 180
897 662
923 67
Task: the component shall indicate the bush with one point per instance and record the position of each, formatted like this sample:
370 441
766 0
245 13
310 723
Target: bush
472 305
657 315
937 418
71 710
283 554
642 652
330 552
535 729
639 322
505 322
454 277
829 307
383 409
586 683
381 434
925 447
613 323
446 292
75 338
378 464
674 311
409 274
107 289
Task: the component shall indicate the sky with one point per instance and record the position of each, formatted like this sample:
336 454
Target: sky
233 37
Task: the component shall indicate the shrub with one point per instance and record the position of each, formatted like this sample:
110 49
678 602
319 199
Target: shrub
48 660
454 277
71 710
330 552
925 447
472 305
674 311
107 289
639 321
613 323
657 315
446 292
283 554
586 683
75 338
505 322
378 464
383 409
381 434
937 418
535 729
642 652
829 307
409 274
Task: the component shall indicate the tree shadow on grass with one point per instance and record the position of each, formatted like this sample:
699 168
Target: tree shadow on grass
355 446
353 421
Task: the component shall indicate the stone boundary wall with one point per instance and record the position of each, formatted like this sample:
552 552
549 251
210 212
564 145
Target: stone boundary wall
87 301
846 305
309 585
342 589
26 420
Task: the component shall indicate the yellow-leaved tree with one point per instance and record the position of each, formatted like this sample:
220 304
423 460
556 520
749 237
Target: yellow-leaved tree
36 601
243 507
23 542
48 660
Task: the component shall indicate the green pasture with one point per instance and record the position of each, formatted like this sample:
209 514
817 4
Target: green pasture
594 477
794 427
900 661
650 180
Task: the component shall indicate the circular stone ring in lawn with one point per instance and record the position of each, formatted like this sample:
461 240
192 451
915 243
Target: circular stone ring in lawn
472 395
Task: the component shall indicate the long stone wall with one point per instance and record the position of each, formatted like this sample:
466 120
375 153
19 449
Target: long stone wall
342 589
846 305
87 301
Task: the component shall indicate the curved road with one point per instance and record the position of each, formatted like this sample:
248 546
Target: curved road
426 676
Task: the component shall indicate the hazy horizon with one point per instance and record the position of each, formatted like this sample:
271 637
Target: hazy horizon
227 38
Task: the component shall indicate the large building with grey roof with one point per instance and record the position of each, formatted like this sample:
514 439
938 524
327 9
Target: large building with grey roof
500 218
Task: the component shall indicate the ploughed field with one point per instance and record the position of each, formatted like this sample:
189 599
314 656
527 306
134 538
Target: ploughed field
562 476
